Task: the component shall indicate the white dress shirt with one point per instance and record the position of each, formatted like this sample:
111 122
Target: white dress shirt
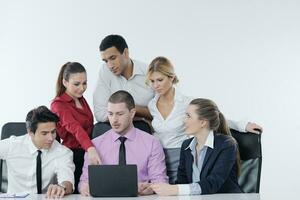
171 131
108 83
20 155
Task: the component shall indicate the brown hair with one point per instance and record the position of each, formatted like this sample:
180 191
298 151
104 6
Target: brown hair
66 70
162 65
208 110
122 96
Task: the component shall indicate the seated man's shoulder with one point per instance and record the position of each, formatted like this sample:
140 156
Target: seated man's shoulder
60 149
16 141
102 137
147 136
144 134
16 144
18 138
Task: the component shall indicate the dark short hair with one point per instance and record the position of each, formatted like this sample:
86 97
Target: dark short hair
122 96
38 115
113 41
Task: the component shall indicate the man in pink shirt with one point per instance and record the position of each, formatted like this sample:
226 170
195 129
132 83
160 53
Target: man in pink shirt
141 148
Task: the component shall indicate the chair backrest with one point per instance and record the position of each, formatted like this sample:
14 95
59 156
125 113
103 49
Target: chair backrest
9 129
251 160
102 127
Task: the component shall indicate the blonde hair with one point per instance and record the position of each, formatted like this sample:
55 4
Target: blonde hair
162 65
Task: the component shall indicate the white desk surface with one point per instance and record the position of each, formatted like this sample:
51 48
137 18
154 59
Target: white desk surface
155 197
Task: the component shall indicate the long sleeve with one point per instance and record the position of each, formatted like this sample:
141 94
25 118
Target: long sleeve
101 95
189 189
237 125
66 167
156 164
70 124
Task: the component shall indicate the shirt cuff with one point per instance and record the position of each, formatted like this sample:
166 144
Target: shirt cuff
184 189
87 144
195 189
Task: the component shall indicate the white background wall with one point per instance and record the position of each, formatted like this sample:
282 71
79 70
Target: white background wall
242 54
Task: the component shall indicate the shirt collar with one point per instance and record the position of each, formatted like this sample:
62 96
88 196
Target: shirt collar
67 98
130 135
210 140
136 68
32 148
208 143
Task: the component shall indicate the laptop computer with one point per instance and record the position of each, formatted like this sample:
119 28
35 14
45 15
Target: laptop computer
113 180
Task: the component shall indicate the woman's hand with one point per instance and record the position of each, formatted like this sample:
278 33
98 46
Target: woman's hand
144 188
164 189
93 156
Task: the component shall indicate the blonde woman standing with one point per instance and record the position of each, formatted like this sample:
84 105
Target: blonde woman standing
168 109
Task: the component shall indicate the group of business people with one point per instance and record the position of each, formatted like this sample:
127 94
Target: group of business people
128 90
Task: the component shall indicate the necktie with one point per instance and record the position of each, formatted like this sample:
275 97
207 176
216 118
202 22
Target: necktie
39 172
122 151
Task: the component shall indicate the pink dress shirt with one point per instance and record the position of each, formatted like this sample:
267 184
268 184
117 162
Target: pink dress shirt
142 149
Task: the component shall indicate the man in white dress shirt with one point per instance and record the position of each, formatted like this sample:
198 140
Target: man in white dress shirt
36 162
120 72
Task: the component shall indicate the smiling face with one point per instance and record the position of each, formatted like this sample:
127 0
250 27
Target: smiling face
115 61
160 83
120 117
76 85
44 135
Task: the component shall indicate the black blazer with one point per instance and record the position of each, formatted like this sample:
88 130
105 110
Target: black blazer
219 170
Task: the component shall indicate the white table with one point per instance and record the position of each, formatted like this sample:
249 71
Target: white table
155 197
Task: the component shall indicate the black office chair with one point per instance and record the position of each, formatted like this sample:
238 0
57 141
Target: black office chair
102 127
9 129
251 160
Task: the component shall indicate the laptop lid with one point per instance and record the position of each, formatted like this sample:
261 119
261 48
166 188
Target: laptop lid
113 180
